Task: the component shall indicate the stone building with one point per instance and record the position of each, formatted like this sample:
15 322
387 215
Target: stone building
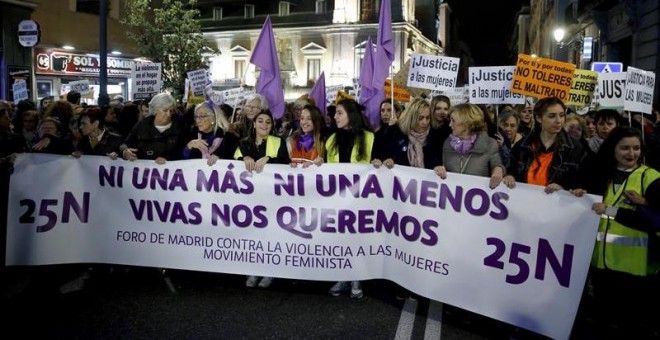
314 36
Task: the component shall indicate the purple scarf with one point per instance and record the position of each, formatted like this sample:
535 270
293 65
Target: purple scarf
305 141
212 147
462 146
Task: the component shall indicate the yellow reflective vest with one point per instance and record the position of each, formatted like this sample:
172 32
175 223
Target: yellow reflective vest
272 146
619 247
333 154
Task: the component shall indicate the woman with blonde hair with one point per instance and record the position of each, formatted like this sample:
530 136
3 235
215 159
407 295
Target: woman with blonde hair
469 150
411 141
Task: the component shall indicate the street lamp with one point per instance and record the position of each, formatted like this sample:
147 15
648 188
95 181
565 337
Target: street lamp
559 34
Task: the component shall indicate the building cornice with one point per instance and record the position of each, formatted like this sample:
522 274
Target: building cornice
20 3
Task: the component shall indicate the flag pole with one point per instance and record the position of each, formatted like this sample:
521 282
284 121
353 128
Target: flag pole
392 89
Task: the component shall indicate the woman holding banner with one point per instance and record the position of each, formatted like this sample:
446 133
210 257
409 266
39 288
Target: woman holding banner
548 156
626 259
469 150
306 145
259 147
351 143
158 136
205 140
410 141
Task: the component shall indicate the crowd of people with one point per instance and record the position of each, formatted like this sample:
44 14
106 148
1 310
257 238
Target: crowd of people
605 152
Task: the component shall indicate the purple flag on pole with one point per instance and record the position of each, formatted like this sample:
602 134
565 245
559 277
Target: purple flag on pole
269 83
318 94
370 97
384 45
366 73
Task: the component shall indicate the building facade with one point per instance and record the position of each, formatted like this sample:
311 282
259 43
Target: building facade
313 36
625 31
73 24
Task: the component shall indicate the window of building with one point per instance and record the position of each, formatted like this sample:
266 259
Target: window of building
249 11
239 55
217 13
359 51
285 8
321 6
313 68
313 54
239 67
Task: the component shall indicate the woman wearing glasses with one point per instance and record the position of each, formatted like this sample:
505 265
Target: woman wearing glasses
206 137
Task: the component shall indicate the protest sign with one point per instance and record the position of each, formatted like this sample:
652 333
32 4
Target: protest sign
582 90
400 94
541 78
609 93
492 85
433 72
517 255
234 96
20 90
146 79
81 86
457 95
331 93
638 95
198 81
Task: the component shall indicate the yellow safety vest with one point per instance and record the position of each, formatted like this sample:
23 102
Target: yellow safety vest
272 146
618 247
333 154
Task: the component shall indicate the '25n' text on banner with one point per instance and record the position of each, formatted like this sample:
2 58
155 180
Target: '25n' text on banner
517 255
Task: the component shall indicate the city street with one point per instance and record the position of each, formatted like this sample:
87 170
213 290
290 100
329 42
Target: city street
140 303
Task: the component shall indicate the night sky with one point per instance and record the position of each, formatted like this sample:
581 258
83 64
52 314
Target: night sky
487 27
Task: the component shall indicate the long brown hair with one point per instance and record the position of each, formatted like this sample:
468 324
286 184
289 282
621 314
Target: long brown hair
319 127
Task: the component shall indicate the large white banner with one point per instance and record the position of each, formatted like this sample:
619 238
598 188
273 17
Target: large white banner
517 255
492 85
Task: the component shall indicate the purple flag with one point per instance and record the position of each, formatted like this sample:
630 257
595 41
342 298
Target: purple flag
370 96
384 45
269 83
318 94
366 73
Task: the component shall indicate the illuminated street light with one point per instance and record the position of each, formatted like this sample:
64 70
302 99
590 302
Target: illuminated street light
68 47
559 34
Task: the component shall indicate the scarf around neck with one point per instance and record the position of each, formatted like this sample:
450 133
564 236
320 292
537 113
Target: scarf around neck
305 141
462 146
416 148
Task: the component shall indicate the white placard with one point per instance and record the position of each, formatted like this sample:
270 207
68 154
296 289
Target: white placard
146 80
198 80
638 95
19 90
518 255
331 93
81 86
234 96
433 72
492 85
610 89
457 95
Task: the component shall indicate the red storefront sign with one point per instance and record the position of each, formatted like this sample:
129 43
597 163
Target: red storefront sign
59 62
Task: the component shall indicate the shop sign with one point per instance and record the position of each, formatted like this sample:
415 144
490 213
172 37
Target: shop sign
59 62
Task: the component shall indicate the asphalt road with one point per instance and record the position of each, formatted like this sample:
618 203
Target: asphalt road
140 303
